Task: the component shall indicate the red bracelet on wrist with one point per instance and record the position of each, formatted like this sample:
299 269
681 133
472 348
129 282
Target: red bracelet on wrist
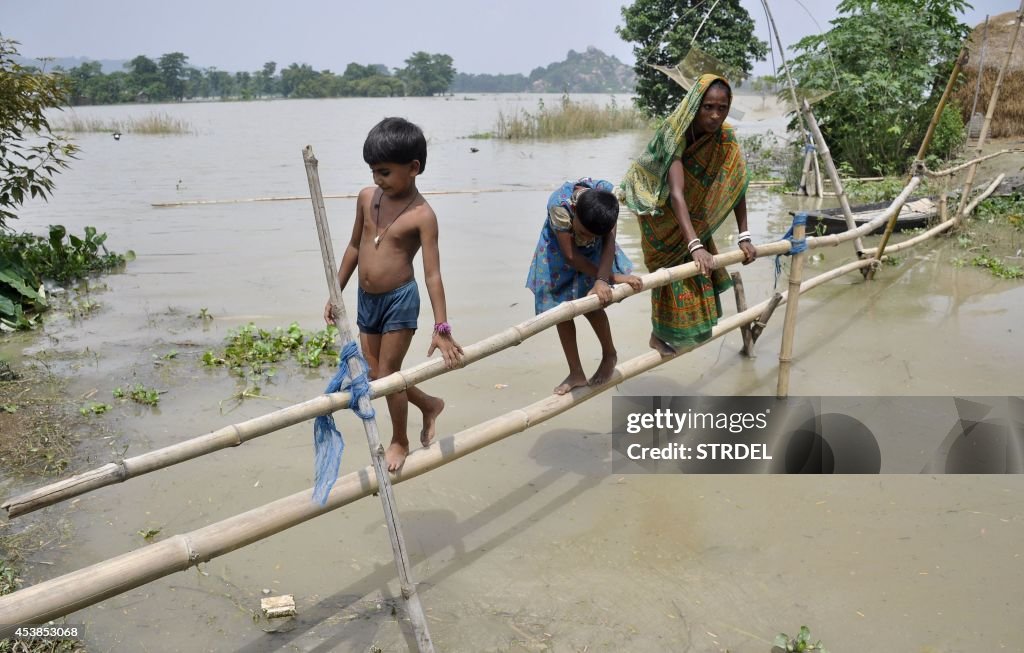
443 328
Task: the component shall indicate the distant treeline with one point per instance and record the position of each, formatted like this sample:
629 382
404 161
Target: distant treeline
171 79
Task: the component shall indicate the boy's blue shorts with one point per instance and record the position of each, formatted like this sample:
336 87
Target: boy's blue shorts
389 311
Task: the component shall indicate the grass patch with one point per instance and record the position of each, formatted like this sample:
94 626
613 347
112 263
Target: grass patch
152 124
569 119
994 237
35 427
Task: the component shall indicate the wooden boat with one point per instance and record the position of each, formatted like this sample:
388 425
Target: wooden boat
913 215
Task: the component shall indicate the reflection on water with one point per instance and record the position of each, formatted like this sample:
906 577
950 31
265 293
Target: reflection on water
576 556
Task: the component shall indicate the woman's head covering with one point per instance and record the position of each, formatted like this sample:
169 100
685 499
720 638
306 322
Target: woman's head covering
645 187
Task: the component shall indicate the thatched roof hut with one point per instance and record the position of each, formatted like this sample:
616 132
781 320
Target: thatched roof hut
1009 116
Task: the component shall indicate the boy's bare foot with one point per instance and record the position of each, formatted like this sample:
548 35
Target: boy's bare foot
661 346
429 420
604 370
575 380
395 456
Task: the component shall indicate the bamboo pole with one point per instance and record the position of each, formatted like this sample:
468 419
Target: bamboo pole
961 61
236 434
833 173
87 586
981 73
819 188
947 172
762 320
796 268
944 225
387 496
923 150
812 124
341 196
969 182
741 306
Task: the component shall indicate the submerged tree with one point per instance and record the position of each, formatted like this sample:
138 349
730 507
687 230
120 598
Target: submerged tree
887 62
662 30
30 154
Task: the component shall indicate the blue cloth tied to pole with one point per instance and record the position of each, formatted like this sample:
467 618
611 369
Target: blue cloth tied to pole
328 444
796 246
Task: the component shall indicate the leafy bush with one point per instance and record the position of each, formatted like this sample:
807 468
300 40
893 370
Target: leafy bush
887 62
27 260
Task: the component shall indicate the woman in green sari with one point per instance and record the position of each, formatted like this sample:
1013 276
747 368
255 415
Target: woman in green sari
683 186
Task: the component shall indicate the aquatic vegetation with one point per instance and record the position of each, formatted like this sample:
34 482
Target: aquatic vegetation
27 260
139 394
569 119
95 409
250 352
799 644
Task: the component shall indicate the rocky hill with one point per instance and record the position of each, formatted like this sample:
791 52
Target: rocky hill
591 71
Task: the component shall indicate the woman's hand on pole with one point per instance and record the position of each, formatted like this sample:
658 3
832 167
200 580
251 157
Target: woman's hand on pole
749 252
704 260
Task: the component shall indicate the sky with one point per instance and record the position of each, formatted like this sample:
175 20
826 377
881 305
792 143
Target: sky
481 36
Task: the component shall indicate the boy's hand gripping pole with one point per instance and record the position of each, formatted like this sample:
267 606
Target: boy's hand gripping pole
387 497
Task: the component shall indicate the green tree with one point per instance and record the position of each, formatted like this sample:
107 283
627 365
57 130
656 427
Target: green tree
891 61
427 74
267 78
173 74
661 32
144 78
30 154
83 82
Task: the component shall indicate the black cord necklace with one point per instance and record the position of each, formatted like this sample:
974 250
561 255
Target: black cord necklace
380 234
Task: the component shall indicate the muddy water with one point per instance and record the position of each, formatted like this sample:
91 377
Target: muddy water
530 544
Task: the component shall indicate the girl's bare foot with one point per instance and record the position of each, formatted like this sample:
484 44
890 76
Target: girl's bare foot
574 380
604 370
395 456
429 421
661 346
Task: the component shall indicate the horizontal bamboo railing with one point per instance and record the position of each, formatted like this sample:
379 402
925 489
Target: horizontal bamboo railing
79 589
235 434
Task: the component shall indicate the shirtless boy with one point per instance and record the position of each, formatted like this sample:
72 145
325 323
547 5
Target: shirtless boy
393 221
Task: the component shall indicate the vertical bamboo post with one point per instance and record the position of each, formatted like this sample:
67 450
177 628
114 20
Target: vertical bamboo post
806 174
972 172
387 496
833 173
796 269
981 73
741 306
805 110
961 59
819 188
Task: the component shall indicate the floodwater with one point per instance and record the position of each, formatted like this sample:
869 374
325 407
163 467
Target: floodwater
531 544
